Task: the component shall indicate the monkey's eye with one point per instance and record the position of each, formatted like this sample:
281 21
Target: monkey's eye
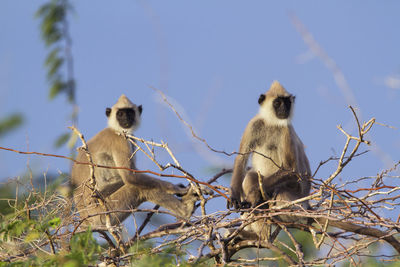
277 102
119 113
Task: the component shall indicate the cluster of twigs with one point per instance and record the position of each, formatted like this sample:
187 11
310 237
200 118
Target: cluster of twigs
342 225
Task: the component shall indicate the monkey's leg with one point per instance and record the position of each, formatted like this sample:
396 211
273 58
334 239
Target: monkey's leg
125 198
87 206
251 188
252 195
146 182
182 208
130 197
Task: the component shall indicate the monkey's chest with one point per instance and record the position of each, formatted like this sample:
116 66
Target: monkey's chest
267 155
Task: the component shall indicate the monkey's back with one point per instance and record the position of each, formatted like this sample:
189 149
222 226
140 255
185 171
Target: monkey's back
101 148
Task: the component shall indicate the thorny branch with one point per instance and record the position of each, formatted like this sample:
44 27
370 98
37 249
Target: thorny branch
150 154
116 168
195 135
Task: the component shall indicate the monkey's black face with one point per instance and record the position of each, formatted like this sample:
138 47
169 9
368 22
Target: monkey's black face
282 106
125 117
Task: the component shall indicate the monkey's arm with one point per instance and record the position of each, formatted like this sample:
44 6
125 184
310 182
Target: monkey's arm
303 166
295 160
123 158
147 182
239 168
289 149
306 174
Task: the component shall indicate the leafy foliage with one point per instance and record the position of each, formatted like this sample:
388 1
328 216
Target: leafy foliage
54 32
170 256
10 123
59 61
84 248
35 219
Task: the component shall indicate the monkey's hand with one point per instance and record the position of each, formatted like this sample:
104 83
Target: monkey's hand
234 200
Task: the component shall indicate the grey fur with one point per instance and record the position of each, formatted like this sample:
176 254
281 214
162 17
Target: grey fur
277 155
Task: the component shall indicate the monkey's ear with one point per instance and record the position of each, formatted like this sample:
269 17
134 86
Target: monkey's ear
108 112
140 109
261 99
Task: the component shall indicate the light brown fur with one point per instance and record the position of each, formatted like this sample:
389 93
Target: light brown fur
122 189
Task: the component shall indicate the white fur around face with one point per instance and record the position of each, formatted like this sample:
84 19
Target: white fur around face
113 122
268 114
123 102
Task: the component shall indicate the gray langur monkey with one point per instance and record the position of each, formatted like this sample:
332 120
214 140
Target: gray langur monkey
122 189
279 167
279 162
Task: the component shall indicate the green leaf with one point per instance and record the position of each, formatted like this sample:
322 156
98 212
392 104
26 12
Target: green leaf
48 27
54 67
84 247
52 56
10 123
56 88
56 13
52 15
55 222
53 37
71 263
62 140
18 227
32 236
43 10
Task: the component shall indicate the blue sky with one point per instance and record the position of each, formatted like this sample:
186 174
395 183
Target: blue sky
213 59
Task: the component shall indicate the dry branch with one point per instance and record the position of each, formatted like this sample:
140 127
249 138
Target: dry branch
354 213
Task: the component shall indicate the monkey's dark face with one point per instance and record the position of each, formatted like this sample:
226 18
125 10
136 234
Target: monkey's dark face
282 106
126 117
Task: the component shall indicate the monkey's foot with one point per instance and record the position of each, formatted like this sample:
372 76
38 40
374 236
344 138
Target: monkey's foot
206 190
203 189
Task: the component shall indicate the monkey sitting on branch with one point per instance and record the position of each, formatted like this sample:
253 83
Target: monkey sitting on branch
121 188
280 169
